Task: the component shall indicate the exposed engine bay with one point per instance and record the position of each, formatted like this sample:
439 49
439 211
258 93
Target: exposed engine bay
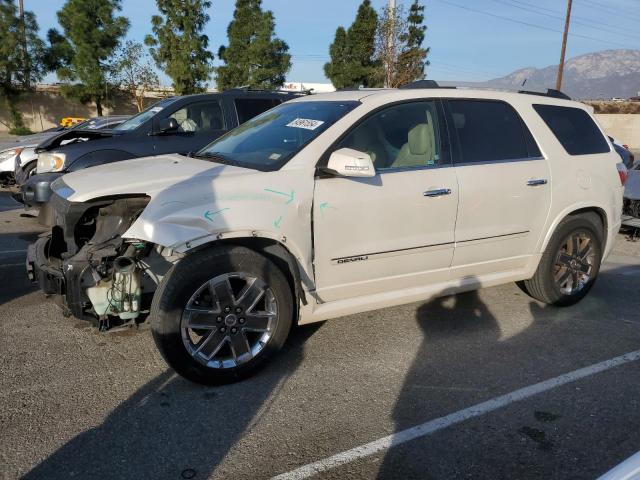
93 272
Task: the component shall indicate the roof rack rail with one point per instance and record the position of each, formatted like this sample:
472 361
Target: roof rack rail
423 84
551 92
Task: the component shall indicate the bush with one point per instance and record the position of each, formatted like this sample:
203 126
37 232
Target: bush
22 130
616 107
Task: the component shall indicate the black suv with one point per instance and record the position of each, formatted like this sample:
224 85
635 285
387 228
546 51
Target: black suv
173 125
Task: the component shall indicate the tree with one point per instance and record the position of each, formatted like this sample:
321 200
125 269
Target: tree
92 33
179 47
254 57
22 55
399 45
352 52
134 73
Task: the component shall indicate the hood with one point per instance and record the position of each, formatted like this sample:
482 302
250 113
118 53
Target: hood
148 176
27 141
64 138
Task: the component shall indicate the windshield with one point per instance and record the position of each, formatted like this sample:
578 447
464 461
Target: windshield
137 120
269 140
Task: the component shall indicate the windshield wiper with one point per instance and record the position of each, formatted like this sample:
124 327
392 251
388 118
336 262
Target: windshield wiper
215 157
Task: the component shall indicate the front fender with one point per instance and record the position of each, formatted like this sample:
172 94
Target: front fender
273 205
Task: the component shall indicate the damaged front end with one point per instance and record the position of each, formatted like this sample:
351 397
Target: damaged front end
93 273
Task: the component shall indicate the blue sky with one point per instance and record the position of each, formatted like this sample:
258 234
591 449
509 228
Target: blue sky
468 40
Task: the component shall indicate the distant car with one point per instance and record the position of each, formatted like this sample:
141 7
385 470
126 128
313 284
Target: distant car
623 150
634 99
173 125
631 202
617 99
18 158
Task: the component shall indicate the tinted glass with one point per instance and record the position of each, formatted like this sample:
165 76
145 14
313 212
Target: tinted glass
137 120
488 131
248 108
269 140
401 136
200 117
574 128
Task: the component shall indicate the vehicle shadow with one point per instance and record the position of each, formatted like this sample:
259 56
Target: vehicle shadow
465 357
171 428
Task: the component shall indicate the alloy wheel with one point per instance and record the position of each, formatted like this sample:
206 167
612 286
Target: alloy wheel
575 262
229 320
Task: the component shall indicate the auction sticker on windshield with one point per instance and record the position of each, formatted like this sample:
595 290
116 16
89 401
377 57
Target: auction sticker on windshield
306 123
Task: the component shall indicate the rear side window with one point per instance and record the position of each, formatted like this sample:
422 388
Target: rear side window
248 108
574 128
490 131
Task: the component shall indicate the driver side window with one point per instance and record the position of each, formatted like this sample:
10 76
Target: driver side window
402 136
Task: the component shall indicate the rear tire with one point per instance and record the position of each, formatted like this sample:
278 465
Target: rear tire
570 264
221 314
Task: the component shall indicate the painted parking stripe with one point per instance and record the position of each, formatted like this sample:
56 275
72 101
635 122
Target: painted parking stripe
441 423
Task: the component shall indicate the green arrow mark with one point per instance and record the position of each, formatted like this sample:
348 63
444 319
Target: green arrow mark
291 196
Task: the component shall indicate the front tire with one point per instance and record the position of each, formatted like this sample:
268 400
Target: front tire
570 264
221 314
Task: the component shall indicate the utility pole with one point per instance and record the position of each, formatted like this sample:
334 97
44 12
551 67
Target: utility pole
564 46
390 42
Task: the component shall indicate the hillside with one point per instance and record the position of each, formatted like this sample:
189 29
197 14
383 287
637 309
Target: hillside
607 74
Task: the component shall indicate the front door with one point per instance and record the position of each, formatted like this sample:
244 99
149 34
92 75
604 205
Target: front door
505 191
395 230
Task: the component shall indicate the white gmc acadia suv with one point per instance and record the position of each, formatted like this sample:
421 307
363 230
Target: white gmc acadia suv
330 205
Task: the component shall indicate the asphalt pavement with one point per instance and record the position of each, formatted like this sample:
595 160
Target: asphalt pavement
75 403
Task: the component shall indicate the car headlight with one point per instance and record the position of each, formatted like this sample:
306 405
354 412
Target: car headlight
50 162
7 154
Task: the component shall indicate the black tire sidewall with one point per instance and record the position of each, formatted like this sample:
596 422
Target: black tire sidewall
180 284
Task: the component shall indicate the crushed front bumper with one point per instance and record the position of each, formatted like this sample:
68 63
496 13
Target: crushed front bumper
67 281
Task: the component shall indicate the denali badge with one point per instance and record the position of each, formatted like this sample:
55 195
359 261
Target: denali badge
352 259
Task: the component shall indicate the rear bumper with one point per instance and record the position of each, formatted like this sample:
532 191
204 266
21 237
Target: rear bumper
37 189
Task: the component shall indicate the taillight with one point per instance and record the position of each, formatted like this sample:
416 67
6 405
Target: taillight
623 172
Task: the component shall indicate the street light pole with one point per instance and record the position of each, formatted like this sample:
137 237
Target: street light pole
564 46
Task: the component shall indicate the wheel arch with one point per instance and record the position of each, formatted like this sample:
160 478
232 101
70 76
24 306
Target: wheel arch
595 211
274 251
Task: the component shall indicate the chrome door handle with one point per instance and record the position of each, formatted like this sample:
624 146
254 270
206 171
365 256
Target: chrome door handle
535 183
437 193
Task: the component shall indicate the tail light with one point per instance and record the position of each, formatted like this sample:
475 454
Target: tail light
623 172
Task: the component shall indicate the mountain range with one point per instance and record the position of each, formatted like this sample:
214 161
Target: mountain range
600 75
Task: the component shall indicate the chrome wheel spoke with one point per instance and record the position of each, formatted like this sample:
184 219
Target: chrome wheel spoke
201 319
251 294
258 322
562 276
564 260
239 345
222 292
211 344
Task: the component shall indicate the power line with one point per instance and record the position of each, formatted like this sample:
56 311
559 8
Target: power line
612 11
534 25
558 17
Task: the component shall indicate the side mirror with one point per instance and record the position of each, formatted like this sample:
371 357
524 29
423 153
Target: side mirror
167 125
351 163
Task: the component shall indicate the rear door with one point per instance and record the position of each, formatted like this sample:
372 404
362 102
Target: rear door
504 181
199 123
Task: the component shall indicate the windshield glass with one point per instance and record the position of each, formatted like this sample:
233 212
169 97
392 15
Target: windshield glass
137 120
269 140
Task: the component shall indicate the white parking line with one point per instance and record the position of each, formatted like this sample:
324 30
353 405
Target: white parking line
12 251
441 423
